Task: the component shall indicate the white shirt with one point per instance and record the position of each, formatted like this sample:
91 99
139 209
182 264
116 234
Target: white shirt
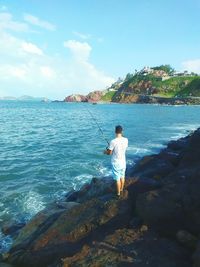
118 147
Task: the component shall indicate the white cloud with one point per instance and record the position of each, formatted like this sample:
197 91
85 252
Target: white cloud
81 51
7 22
31 48
38 22
192 65
25 69
82 35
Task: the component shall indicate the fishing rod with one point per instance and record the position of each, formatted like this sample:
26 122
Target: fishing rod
101 131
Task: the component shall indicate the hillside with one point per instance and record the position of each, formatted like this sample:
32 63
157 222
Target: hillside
149 85
161 84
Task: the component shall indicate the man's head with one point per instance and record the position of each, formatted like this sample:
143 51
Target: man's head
118 129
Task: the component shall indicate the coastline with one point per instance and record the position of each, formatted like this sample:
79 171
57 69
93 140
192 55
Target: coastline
85 226
143 99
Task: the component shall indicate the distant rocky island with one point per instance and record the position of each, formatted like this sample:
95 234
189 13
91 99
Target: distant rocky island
25 98
156 85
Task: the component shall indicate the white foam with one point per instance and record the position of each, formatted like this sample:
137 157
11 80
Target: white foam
138 150
33 203
105 171
182 127
81 179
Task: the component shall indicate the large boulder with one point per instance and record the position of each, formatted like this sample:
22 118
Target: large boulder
196 256
153 166
96 188
41 242
174 206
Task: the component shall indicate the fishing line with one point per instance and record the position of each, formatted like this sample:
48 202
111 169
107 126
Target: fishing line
96 122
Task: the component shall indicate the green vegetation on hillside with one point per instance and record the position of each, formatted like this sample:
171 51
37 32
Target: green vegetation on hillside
108 96
167 68
157 81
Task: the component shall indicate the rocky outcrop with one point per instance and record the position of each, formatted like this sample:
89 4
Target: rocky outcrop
154 223
75 98
92 97
95 96
126 97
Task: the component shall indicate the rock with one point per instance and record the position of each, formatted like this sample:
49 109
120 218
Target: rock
161 212
186 239
12 228
135 223
3 264
126 247
178 145
96 188
71 196
75 98
64 233
171 156
196 256
175 205
66 205
95 96
153 167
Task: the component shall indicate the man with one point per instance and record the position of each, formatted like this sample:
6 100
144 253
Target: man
117 148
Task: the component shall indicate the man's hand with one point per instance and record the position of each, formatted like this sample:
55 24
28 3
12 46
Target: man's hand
107 152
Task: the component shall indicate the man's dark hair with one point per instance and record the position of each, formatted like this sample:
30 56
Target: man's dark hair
118 129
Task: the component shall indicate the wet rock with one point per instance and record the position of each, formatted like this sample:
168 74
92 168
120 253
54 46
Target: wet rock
96 188
153 167
3 264
186 239
196 256
71 196
171 156
66 205
135 223
67 231
176 205
12 228
178 145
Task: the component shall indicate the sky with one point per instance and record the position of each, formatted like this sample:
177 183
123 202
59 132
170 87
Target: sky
54 48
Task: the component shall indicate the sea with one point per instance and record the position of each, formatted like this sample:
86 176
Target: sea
50 148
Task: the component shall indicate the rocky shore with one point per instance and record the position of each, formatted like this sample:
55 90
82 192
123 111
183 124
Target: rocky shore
148 99
156 222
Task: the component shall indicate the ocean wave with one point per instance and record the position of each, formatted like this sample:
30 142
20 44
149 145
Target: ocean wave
32 203
138 150
81 179
182 127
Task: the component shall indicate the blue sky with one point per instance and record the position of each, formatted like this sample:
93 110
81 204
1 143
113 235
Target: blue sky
55 48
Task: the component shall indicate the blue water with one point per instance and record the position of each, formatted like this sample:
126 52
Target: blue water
47 149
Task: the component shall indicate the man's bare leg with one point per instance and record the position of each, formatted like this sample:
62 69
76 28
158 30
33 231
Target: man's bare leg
122 181
118 184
